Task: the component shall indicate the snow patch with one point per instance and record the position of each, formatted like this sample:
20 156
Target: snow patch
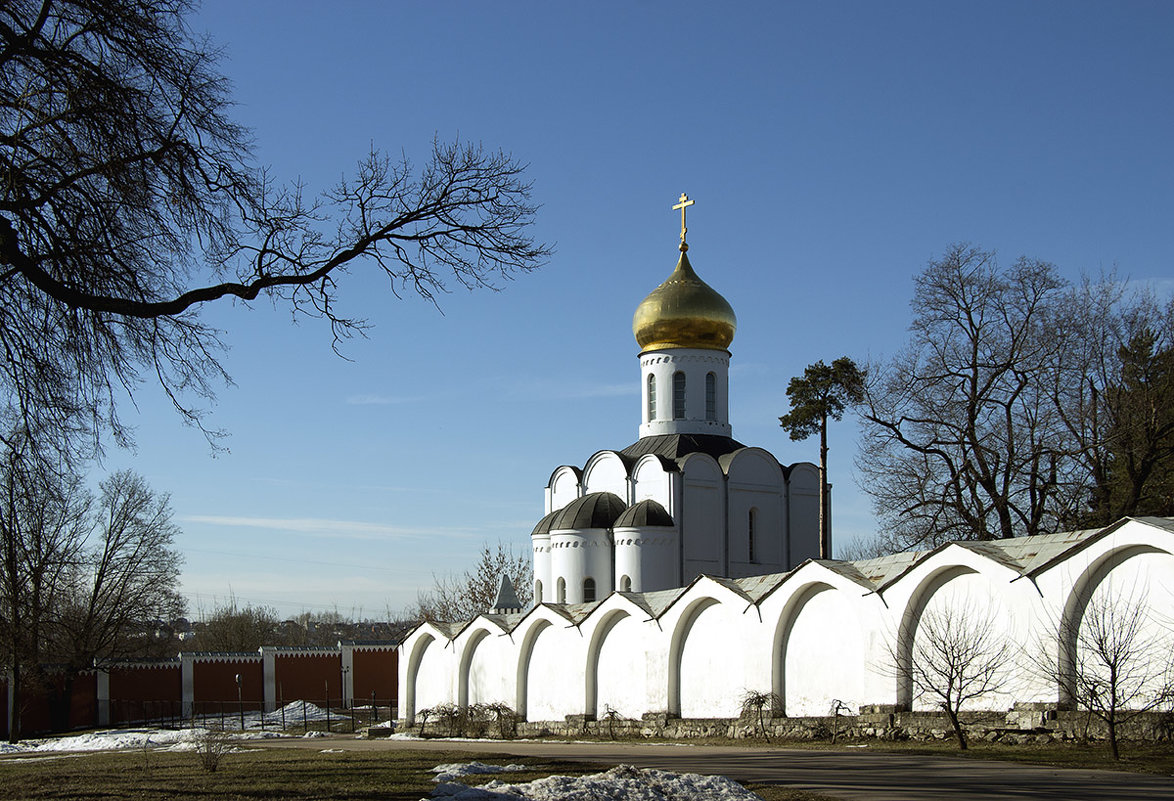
453 770
621 783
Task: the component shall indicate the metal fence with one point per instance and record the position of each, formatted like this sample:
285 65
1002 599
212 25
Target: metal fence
325 715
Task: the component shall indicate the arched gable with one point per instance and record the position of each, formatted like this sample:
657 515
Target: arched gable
680 618
652 480
753 466
1116 558
542 620
565 485
426 641
472 644
606 471
756 513
803 476
909 593
828 615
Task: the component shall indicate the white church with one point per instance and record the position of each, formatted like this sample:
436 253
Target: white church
678 573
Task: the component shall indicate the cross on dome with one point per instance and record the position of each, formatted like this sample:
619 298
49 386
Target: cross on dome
684 203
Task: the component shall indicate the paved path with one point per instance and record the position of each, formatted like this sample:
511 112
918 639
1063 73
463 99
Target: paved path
850 773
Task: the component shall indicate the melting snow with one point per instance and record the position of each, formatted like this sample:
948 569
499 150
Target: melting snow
122 739
621 783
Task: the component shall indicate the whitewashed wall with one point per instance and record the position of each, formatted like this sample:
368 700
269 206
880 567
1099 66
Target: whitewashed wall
821 633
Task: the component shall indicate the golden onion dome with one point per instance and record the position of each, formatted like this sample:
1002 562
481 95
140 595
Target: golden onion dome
684 312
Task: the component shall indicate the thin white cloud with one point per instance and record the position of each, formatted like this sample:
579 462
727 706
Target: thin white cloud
347 529
550 389
370 399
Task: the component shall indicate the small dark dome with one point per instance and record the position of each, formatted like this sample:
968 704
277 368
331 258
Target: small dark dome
644 514
597 510
544 525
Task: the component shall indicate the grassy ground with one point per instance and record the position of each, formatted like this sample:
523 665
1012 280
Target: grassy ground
258 774
1155 758
1136 757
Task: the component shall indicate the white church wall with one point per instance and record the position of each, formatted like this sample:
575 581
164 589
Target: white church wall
755 482
1132 593
549 667
695 364
803 512
1132 556
647 558
606 472
577 555
968 606
702 517
543 586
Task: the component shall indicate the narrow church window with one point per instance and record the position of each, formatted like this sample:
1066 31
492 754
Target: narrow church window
562 591
537 592
625 584
678 395
588 590
750 534
651 397
710 396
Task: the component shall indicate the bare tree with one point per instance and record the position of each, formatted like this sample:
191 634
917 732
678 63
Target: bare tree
128 199
822 393
127 580
43 520
1113 661
80 579
233 628
958 655
954 438
1022 404
463 597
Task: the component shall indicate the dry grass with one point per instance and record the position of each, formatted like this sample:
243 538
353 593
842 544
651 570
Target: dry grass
257 774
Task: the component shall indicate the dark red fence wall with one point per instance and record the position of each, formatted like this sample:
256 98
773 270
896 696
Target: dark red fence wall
139 691
308 677
215 681
376 671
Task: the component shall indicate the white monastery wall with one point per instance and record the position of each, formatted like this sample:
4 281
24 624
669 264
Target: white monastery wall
822 632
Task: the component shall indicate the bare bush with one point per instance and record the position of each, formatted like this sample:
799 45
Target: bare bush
211 746
1113 661
958 656
757 706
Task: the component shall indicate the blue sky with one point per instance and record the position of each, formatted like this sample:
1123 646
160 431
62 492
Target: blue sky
832 150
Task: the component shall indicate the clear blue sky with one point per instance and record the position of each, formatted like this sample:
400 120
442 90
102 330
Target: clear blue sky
832 148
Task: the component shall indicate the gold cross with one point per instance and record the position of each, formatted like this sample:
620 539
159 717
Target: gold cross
684 203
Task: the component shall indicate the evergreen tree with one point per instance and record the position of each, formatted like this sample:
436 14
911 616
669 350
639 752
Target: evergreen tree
821 393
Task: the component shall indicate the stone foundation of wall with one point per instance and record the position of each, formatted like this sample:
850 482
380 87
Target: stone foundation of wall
1026 723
